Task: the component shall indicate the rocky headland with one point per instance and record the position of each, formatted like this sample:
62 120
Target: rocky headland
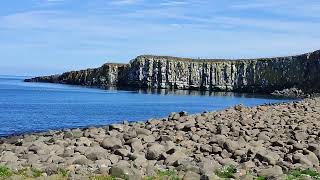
264 142
264 75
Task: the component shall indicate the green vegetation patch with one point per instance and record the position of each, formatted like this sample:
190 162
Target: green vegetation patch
23 172
261 178
227 172
36 172
63 172
5 171
299 174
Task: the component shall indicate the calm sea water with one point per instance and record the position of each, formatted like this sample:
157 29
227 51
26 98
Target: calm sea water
29 107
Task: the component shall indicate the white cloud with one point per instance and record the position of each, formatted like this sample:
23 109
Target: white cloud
174 3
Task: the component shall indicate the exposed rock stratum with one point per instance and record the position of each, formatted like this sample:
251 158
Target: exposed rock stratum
165 72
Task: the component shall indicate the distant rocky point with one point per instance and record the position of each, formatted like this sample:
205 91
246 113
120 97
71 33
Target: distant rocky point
164 72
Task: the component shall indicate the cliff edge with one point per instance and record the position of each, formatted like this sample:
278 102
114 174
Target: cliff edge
165 72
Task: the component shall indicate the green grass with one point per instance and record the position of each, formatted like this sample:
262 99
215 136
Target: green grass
29 172
36 172
5 172
261 178
226 172
63 172
22 172
299 174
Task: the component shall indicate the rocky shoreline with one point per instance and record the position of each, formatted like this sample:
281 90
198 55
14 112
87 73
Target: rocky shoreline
265 141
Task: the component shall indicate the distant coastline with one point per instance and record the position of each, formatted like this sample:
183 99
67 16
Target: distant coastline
263 75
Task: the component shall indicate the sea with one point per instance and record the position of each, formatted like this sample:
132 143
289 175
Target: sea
36 107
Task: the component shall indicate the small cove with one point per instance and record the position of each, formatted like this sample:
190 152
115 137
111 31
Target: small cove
32 107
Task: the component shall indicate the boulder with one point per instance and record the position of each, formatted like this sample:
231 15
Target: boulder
231 146
154 151
270 157
140 162
111 143
271 172
208 167
302 159
32 158
114 158
174 116
8 156
165 138
312 157
142 131
122 152
300 136
118 127
137 146
191 176
171 159
96 156
125 173
149 139
81 160
55 159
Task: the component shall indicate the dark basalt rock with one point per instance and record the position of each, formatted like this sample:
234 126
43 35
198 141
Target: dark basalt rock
165 72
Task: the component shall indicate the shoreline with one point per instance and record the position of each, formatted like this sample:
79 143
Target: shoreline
167 92
268 140
290 93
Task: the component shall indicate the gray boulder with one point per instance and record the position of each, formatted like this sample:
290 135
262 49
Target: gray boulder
111 143
191 176
154 152
8 156
136 146
171 159
271 172
125 173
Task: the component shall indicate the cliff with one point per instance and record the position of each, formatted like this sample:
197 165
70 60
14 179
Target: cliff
242 75
109 74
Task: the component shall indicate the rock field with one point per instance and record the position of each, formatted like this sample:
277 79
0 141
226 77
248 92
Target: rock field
267 140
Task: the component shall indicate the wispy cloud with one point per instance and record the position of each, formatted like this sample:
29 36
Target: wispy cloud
125 2
174 3
27 20
285 7
88 33
256 4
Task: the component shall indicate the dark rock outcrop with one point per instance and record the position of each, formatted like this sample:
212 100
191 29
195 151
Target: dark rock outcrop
110 74
164 72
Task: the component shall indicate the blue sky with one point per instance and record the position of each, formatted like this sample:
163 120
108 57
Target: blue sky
40 37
